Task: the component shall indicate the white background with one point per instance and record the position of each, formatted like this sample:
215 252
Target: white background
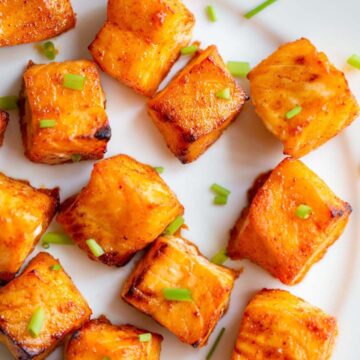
245 150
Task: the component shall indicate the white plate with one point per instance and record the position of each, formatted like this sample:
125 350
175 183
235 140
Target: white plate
245 150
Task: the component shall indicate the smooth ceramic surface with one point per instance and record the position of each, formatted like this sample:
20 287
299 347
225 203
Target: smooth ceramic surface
244 150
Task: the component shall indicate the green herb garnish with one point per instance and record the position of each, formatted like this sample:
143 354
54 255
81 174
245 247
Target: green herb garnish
220 190
73 81
75 157
238 68
259 8
177 294
47 123
174 226
95 248
211 13
159 169
354 60
55 267
293 112
8 102
220 257
216 343
189 50
224 94
55 238
36 322
49 50
145 337
303 211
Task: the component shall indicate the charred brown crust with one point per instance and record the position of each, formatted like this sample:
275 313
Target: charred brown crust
196 344
67 203
112 258
148 92
119 242
55 194
337 213
137 292
22 111
42 25
186 133
5 277
102 319
260 321
189 138
160 251
101 327
21 352
299 62
4 120
133 292
257 184
253 235
76 334
38 270
103 133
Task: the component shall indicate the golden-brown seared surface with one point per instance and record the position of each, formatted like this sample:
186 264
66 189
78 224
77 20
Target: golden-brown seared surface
25 214
40 286
34 20
173 262
141 40
279 326
4 119
270 234
99 339
125 206
188 113
82 127
154 20
297 74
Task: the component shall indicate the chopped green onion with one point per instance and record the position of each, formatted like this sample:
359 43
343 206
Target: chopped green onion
293 112
354 60
303 211
36 322
47 123
145 337
221 194
220 257
95 248
56 267
8 102
49 50
174 226
75 157
220 190
159 169
224 94
73 81
177 294
55 238
211 13
238 68
216 343
220 200
259 8
189 50
106 358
